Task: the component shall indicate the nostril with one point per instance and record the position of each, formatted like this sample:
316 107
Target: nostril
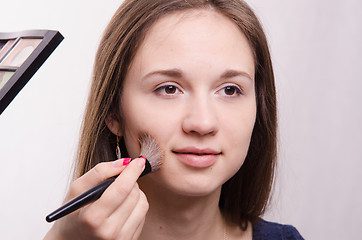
200 125
200 117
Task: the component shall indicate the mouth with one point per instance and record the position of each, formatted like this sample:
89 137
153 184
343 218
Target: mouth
197 151
197 157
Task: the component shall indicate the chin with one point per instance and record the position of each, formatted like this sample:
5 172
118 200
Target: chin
198 192
188 185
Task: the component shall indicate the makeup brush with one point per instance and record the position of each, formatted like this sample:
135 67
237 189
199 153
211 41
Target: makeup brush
150 150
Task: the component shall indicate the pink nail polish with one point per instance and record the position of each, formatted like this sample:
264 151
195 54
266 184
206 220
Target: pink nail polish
126 161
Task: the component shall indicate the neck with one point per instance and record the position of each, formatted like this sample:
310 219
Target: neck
172 216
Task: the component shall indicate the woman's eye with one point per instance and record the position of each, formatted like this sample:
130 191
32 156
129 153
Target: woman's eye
167 90
170 89
231 91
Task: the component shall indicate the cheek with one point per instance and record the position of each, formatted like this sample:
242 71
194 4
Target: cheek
238 131
237 150
139 116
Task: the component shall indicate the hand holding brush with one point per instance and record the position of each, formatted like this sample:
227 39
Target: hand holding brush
115 194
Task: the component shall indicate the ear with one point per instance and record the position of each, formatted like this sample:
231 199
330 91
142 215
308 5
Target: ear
113 125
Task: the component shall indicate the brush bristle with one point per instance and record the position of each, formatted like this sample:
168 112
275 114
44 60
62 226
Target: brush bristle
151 150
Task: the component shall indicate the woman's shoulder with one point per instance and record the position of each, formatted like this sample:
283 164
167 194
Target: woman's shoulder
274 231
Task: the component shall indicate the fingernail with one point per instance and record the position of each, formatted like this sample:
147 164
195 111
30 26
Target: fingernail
126 161
121 162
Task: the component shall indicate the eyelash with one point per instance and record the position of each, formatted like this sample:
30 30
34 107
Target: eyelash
237 90
161 90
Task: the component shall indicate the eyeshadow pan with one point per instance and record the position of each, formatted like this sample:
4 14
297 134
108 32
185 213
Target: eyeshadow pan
21 55
7 44
4 77
20 52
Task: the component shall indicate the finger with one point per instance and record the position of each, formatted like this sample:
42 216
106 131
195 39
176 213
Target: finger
120 189
108 227
99 173
122 213
138 232
116 222
137 217
130 224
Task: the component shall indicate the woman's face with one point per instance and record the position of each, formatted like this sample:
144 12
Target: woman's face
191 86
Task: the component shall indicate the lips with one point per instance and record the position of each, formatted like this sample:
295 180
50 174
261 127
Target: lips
197 157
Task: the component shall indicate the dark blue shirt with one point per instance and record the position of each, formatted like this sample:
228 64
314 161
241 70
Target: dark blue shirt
264 230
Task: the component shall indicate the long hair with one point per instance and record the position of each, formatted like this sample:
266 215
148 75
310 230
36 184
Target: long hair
245 196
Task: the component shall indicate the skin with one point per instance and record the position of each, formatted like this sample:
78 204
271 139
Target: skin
197 56
118 214
190 86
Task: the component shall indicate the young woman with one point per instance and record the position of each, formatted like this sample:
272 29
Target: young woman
197 76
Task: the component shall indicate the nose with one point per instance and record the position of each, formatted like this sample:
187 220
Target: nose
200 118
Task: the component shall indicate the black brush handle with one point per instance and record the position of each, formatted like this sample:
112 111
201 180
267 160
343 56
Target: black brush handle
147 169
88 196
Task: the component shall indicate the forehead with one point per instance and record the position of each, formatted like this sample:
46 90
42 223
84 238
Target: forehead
198 34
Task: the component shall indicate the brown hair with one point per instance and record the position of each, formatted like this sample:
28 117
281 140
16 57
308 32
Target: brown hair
244 197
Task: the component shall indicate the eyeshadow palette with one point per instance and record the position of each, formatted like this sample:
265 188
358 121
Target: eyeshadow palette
21 55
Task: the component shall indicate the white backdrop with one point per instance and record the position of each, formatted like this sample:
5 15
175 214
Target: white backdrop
316 49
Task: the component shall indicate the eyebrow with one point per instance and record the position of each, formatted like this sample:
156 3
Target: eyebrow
176 73
235 73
